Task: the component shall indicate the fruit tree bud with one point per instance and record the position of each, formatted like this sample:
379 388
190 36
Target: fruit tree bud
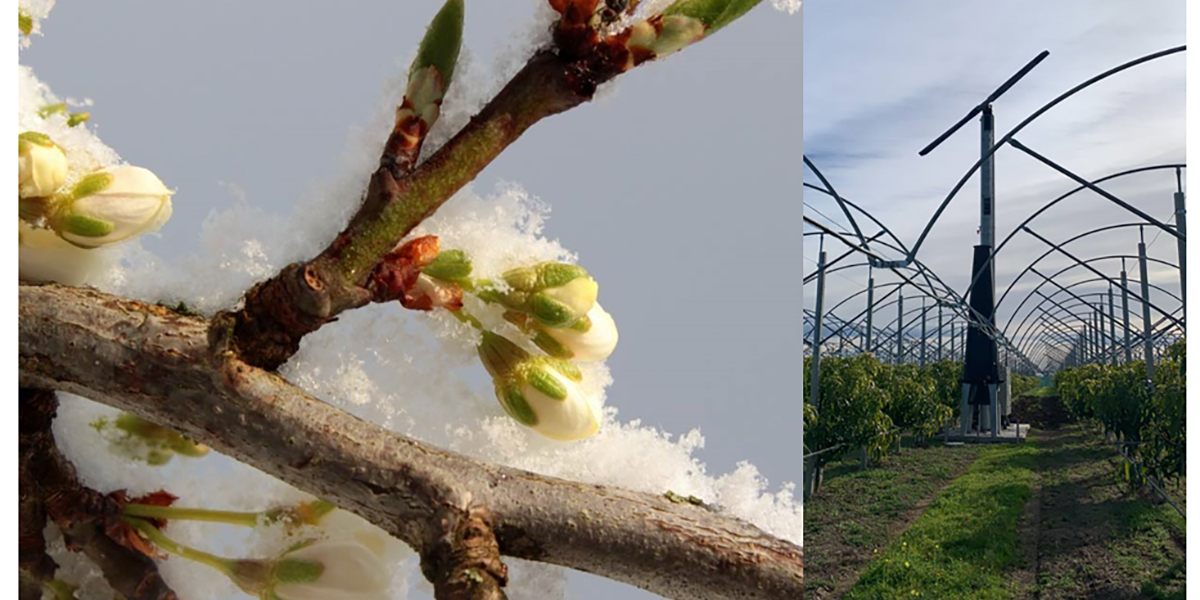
554 294
112 205
540 392
41 165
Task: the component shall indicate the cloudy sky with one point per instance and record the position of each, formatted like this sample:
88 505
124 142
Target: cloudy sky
678 188
883 79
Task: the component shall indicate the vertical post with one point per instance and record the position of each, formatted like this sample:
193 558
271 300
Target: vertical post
1181 226
815 390
870 306
1125 310
994 408
1112 325
1086 340
965 409
987 180
939 352
923 331
1147 326
900 328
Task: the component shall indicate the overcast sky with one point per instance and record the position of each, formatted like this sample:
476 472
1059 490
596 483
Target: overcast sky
883 79
679 189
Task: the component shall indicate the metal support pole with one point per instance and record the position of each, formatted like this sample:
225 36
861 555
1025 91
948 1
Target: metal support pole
900 329
1112 325
1147 326
924 336
815 393
1125 310
1087 341
1181 226
939 350
870 307
987 179
994 408
965 409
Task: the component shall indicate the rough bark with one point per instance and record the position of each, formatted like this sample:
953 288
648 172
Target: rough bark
35 417
48 481
179 371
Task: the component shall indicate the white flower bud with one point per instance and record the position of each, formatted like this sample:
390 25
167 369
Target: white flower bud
539 392
112 205
43 256
592 338
562 306
554 294
347 525
330 569
41 165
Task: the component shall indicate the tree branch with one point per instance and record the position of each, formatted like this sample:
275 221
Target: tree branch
279 312
168 368
463 560
35 415
81 513
303 297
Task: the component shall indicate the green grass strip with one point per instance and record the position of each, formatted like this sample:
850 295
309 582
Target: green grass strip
963 543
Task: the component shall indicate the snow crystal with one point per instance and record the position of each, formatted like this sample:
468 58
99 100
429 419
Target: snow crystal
37 10
790 7
85 152
76 568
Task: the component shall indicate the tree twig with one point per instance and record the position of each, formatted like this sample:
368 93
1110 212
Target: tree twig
164 367
279 312
304 296
83 514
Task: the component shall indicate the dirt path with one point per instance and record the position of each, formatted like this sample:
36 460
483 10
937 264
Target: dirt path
1094 538
857 513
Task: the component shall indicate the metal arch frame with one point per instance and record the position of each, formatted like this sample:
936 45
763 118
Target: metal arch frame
1082 263
1137 170
1050 251
958 303
899 246
1086 265
1025 333
1059 316
923 270
1137 336
832 192
881 304
1161 338
1008 136
1017 333
1057 312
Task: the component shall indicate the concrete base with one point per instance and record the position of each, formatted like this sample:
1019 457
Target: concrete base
1008 435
